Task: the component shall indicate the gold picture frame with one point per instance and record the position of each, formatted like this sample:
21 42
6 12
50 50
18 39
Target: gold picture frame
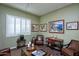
56 26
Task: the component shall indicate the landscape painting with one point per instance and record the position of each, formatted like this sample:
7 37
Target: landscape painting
56 26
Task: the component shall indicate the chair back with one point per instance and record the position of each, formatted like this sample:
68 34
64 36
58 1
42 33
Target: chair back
74 44
40 37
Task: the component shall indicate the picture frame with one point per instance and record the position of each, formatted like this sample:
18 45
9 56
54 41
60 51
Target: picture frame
43 27
35 27
72 25
56 26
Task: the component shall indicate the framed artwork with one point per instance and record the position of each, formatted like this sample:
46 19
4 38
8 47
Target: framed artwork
35 27
56 26
72 25
43 27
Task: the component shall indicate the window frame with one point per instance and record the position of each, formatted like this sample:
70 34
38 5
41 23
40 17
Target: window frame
21 33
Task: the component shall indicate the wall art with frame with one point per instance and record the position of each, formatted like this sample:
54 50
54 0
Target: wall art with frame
35 28
56 26
72 25
43 27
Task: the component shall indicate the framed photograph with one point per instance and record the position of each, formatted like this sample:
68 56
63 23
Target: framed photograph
35 27
72 25
43 27
56 26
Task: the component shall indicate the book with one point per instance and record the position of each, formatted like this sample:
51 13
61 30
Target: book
38 53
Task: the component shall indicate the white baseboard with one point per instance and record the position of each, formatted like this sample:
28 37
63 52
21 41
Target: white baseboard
13 47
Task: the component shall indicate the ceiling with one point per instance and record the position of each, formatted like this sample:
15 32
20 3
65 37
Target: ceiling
38 9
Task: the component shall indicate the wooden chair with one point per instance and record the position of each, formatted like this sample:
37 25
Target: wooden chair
38 40
72 49
5 52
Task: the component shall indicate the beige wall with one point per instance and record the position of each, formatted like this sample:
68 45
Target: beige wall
11 41
69 13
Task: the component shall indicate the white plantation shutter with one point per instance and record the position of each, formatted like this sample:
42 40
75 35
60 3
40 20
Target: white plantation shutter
23 26
28 27
9 25
17 26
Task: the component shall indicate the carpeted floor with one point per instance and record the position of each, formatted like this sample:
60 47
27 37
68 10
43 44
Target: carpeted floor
17 52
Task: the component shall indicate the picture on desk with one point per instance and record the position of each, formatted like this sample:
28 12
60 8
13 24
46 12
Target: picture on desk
56 26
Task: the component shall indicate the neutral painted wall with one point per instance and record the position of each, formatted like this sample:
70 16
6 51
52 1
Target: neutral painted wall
11 41
69 13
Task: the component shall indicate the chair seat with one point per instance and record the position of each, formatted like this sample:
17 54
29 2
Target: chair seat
4 54
39 42
72 49
68 51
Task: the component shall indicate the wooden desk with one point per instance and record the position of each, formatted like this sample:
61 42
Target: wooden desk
55 43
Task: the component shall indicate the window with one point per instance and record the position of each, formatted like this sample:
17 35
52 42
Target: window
17 26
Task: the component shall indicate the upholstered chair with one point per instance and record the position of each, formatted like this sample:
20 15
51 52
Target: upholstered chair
5 52
38 40
72 49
